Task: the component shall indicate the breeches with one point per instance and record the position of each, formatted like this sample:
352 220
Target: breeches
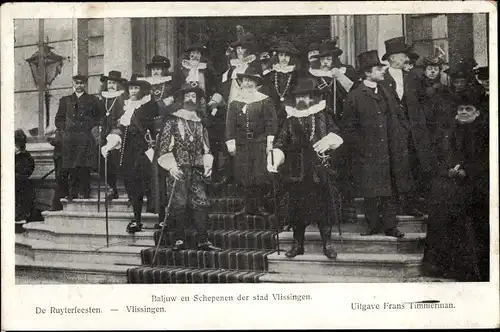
190 191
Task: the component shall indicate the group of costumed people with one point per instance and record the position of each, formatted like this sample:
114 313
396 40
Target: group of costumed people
332 132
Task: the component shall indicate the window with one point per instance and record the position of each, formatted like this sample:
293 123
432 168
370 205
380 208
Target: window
427 33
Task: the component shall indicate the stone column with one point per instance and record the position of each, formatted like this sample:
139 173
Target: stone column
343 27
480 33
166 38
118 45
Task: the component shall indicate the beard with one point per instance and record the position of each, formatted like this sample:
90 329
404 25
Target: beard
302 105
190 105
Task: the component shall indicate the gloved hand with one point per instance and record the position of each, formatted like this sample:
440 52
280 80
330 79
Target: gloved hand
176 173
168 101
329 142
231 147
105 151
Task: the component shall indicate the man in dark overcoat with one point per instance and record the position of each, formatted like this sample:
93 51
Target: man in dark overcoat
405 86
76 118
375 131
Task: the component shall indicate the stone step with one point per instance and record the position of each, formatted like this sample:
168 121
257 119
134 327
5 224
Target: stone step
30 272
77 236
348 264
300 278
46 251
355 243
220 205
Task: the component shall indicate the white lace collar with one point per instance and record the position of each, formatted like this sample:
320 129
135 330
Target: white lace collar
249 98
187 115
283 69
154 80
293 112
111 94
244 62
325 73
370 84
130 106
189 65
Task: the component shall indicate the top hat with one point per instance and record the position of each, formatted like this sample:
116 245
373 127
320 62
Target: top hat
469 97
329 48
114 75
394 46
369 59
432 61
80 77
189 87
482 73
285 47
196 46
159 61
304 86
135 81
253 71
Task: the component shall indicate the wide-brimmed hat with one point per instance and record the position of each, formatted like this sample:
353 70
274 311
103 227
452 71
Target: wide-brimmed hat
159 61
468 97
246 41
80 77
394 46
458 71
136 81
196 46
369 59
305 85
432 61
328 48
189 87
114 75
314 46
286 47
483 73
253 71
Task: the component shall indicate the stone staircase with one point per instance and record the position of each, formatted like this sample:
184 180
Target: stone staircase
69 246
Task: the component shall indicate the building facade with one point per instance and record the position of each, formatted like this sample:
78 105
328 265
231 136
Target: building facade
96 46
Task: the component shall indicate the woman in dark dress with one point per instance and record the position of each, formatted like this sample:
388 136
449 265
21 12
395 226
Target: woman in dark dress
457 243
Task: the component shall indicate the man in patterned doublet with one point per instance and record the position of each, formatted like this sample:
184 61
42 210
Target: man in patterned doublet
185 154
304 145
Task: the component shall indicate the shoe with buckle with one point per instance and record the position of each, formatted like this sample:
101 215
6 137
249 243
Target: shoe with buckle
179 245
295 250
394 233
207 246
329 250
159 225
133 227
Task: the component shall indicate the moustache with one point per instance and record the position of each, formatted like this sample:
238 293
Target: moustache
301 105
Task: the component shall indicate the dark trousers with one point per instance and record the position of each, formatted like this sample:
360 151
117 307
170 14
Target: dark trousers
79 181
113 160
422 180
380 212
189 202
309 204
255 197
62 185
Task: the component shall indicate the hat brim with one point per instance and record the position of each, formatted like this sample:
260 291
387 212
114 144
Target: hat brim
199 91
142 84
258 79
369 66
80 78
303 92
333 53
161 65
107 78
285 50
406 51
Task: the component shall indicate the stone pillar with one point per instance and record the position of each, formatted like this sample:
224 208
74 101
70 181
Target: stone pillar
118 45
166 38
343 27
480 33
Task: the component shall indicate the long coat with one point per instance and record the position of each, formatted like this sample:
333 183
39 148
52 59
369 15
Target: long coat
376 143
25 192
415 114
75 118
458 230
250 130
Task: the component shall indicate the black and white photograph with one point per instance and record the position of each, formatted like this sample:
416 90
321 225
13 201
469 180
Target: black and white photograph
253 149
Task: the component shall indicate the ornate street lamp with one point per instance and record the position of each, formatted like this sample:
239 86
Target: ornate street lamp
45 66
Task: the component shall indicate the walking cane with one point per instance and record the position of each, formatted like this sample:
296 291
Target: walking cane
167 212
276 208
99 172
106 199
